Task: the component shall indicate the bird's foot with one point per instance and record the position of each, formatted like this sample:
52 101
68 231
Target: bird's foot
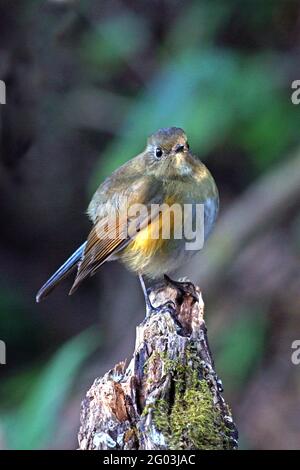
184 287
167 307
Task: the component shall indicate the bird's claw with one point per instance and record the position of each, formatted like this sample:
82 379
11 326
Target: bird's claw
184 287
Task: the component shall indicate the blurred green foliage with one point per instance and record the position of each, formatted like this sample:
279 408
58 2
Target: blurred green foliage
33 423
15 323
103 49
221 70
240 347
221 96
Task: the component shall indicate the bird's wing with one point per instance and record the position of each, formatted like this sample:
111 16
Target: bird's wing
117 225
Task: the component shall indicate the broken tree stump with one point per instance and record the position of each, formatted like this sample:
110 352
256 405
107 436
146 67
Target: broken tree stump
169 396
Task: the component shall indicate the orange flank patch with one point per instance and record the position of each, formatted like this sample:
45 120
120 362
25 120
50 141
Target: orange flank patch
155 236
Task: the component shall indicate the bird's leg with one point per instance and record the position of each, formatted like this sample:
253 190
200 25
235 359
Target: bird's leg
185 287
150 309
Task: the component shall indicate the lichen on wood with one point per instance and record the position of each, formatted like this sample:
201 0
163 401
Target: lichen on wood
169 396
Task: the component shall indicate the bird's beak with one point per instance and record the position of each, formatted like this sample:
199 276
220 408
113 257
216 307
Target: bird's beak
179 148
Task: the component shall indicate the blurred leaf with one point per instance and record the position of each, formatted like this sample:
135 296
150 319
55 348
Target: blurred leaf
115 40
13 321
241 347
33 425
16 387
274 130
197 25
186 94
17 323
212 95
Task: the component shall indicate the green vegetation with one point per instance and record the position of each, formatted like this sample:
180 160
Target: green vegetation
86 83
188 419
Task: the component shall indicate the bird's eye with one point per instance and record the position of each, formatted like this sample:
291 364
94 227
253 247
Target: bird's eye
188 146
158 152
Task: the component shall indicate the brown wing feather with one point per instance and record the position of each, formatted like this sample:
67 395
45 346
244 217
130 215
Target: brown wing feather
113 229
100 245
105 239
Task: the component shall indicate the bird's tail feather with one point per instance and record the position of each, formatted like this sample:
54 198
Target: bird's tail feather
61 273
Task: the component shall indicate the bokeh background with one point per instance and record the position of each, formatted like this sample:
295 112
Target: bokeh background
87 81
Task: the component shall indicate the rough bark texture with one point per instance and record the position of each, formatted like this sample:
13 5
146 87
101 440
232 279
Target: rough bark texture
169 396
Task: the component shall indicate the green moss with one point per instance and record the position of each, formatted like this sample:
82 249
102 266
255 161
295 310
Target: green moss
191 421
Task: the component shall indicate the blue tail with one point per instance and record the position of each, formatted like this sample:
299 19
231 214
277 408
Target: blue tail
61 273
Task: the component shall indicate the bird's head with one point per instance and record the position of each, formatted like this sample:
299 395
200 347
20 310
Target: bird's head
168 153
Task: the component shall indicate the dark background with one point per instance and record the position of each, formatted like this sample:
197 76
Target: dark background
87 82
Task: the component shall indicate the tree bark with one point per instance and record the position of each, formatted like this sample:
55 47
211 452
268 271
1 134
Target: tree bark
169 396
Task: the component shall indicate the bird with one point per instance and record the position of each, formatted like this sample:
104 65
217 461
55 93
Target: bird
128 222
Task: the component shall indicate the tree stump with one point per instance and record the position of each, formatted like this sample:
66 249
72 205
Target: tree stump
169 396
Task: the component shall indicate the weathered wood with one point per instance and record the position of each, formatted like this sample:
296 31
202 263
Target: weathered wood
169 396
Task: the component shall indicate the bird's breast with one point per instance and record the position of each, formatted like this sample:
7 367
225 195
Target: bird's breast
161 246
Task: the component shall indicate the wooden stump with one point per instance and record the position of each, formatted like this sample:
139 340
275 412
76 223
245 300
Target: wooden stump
169 396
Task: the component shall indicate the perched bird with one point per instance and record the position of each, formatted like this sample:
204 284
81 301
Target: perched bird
166 173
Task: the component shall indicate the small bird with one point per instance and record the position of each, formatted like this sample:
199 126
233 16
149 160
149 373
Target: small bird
165 173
